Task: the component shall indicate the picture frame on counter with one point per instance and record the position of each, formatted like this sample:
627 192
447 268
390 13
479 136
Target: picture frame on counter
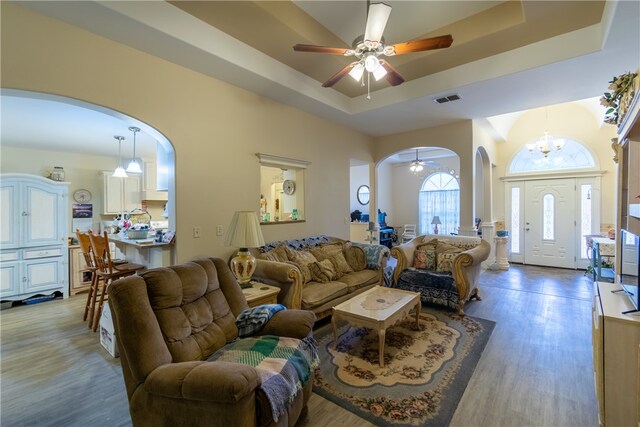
168 236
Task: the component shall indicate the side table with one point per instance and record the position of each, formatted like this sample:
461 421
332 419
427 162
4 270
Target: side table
259 294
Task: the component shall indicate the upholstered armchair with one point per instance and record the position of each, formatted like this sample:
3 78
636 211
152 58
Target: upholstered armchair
450 278
168 322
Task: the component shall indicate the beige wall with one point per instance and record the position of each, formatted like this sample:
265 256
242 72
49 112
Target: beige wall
566 120
215 128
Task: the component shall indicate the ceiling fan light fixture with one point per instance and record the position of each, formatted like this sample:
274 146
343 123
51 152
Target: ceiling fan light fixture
379 73
415 167
357 71
371 62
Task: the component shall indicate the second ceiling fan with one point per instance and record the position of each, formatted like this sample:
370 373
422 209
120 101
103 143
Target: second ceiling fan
369 47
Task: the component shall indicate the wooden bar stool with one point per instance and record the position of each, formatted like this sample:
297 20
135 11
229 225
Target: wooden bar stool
107 270
87 252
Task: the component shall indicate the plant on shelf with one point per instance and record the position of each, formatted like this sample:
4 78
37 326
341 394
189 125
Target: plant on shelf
618 99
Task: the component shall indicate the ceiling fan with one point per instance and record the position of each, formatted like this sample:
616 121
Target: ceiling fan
417 165
369 47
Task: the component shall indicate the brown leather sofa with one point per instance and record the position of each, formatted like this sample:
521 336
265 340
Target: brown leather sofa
168 321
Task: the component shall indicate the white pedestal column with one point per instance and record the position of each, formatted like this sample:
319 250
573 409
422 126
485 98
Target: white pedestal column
502 260
488 233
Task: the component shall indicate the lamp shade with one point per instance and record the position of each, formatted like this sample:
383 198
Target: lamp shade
244 231
436 220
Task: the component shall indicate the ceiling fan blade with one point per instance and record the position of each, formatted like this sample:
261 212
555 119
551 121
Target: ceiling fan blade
339 75
393 77
321 49
376 21
432 43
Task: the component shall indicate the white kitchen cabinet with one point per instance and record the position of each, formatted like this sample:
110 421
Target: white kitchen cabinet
33 240
10 278
121 190
150 183
79 275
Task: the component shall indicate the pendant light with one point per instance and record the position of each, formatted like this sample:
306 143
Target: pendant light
119 172
134 166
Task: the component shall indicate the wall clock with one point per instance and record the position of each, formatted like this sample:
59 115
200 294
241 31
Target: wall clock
82 195
289 187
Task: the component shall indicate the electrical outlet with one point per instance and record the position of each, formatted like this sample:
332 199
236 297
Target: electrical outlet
197 230
218 230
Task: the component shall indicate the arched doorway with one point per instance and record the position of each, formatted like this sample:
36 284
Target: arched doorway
397 187
80 136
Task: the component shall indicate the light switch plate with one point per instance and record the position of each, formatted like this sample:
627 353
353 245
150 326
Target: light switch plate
218 230
197 230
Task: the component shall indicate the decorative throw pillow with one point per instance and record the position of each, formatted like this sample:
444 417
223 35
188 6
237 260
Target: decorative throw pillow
425 257
322 271
302 259
356 257
340 264
278 254
326 251
445 262
446 248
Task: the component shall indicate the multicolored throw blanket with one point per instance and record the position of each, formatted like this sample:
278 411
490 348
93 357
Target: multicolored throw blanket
252 319
374 254
283 364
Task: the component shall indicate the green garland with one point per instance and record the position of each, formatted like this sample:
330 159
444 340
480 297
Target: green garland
618 87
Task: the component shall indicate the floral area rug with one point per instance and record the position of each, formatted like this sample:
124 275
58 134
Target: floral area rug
425 374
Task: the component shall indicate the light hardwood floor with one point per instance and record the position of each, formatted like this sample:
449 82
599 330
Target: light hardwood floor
535 371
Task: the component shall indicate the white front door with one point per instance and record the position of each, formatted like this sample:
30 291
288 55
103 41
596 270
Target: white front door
549 223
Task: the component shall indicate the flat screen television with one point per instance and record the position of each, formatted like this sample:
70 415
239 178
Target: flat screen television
629 277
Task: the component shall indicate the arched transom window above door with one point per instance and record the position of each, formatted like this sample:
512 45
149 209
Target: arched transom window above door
573 155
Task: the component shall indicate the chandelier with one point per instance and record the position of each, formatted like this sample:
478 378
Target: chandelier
547 142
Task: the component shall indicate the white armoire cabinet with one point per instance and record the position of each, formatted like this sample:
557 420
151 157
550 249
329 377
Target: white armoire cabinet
33 236
121 194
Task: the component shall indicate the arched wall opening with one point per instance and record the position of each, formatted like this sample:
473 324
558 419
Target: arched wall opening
89 153
397 188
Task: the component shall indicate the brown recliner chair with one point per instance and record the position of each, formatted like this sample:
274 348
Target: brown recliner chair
168 321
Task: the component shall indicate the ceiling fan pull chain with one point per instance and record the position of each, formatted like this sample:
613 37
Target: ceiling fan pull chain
368 85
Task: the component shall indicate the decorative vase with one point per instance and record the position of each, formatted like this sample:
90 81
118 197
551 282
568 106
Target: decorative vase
243 265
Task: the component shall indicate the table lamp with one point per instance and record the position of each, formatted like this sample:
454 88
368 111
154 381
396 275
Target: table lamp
435 221
244 232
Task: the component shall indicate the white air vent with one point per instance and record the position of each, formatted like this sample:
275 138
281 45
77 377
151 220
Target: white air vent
448 98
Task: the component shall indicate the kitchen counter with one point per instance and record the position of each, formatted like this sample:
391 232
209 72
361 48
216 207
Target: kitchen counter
135 242
151 255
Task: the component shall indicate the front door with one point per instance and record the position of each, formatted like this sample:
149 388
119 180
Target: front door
550 223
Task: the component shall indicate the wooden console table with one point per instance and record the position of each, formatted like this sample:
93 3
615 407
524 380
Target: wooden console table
616 356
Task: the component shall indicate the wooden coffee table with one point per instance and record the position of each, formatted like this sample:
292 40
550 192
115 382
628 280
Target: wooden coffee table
377 309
